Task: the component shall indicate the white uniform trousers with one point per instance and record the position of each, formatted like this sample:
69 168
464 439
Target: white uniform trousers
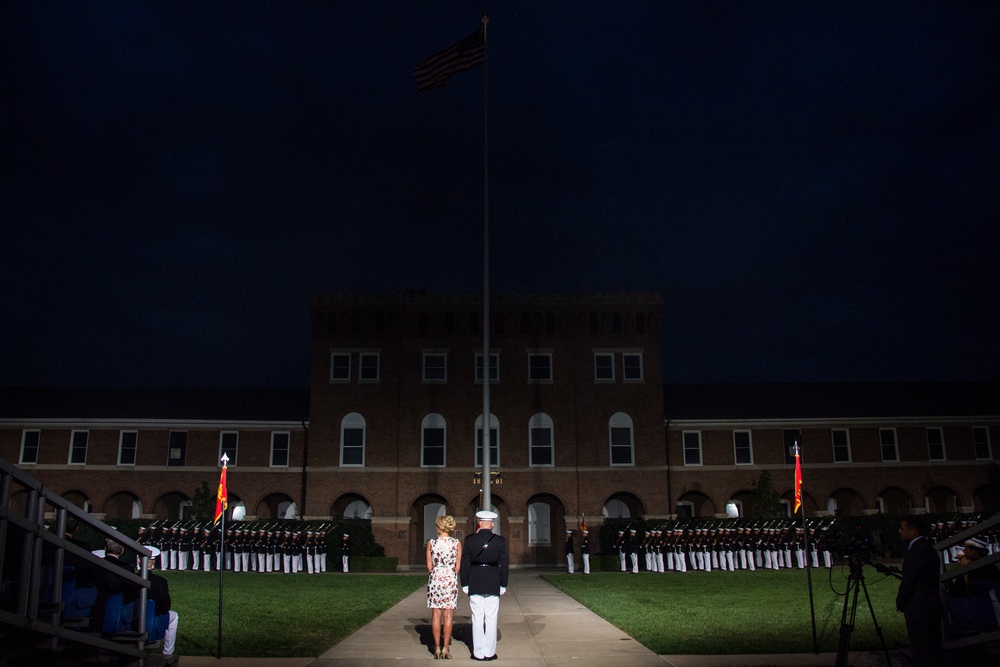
569 566
170 635
343 560
485 610
586 563
635 563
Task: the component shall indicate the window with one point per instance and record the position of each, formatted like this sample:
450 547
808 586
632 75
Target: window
887 438
539 523
692 448
743 447
78 446
340 367
632 367
791 437
177 448
540 367
29 446
935 444
494 441
620 427
228 444
435 367
432 439
279 449
841 445
352 440
128 443
494 367
604 367
981 442
368 361
540 445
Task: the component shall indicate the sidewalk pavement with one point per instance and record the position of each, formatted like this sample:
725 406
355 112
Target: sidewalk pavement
539 626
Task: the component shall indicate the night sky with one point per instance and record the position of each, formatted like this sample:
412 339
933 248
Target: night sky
813 187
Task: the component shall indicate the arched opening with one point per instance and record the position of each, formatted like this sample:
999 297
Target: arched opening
80 499
276 506
894 500
623 506
423 513
941 499
169 506
697 503
546 516
845 502
744 502
352 507
123 505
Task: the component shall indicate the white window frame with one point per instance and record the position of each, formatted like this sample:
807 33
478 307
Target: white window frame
685 448
344 374
621 421
537 354
73 446
541 421
234 451
736 448
940 433
625 368
607 356
355 422
367 356
121 447
37 446
287 448
434 421
477 367
833 443
442 370
976 443
882 445
494 428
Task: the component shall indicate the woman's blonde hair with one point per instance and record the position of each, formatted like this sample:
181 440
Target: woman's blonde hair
446 523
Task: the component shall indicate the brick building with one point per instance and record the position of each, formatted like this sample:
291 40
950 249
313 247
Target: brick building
581 425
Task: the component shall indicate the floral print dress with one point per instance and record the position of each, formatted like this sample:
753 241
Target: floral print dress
442 583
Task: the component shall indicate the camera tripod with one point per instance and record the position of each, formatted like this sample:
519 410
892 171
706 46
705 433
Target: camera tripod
855 584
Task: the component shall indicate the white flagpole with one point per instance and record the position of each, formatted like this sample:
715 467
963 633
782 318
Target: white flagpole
486 499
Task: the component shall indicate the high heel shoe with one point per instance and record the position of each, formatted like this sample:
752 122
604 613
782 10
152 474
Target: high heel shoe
445 653
437 652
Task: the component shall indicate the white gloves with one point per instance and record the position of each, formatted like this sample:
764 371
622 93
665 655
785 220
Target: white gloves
465 589
502 590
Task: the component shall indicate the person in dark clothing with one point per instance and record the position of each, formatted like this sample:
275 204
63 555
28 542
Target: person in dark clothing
110 583
919 596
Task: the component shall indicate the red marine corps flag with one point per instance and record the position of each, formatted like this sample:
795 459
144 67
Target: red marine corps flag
798 480
222 499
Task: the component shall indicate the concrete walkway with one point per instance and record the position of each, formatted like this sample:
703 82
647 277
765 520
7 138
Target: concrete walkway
539 626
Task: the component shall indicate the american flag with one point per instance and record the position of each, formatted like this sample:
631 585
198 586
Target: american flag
463 55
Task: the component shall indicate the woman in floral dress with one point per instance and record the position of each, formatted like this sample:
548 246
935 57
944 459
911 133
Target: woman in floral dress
444 558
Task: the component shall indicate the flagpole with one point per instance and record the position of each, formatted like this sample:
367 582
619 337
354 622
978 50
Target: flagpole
221 505
485 481
805 534
222 568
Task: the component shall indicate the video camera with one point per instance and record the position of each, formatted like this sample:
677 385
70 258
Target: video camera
857 544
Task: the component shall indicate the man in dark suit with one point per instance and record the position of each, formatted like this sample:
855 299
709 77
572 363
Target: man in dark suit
484 579
919 596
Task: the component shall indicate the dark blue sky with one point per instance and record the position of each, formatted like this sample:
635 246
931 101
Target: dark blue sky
813 187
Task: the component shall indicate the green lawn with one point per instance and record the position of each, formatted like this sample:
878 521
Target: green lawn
737 612
279 615
694 613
